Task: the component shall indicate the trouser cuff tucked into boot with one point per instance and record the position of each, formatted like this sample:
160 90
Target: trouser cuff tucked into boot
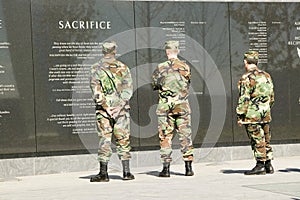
126 171
165 171
103 175
269 167
188 168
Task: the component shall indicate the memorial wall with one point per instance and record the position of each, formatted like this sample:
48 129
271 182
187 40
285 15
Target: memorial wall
47 49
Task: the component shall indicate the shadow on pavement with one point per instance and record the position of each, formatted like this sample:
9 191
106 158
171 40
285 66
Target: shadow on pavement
110 177
155 173
86 177
287 170
231 171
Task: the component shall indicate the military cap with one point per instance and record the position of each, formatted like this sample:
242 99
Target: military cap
109 46
172 44
251 55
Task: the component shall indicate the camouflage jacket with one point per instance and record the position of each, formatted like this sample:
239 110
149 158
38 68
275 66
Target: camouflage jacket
256 97
172 79
111 83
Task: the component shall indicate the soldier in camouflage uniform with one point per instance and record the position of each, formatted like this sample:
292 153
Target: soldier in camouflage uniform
172 80
111 86
256 97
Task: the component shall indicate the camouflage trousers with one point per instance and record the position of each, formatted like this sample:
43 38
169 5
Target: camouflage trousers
120 127
167 124
260 136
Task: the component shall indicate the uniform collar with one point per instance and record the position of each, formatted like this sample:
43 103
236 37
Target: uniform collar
173 58
108 59
251 67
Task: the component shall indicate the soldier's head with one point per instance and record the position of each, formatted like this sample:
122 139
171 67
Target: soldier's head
251 57
109 47
172 47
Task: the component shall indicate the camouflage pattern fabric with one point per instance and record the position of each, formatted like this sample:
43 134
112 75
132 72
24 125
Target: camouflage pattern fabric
111 83
251 55
256 97
109 47
111 86
260 136
172 79
121 131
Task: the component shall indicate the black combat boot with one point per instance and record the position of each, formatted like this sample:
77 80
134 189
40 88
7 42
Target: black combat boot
188 168
166 170
269 167
259 169
103 175
126 171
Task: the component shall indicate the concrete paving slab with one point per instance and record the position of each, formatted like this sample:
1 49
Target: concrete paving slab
292 188
212 180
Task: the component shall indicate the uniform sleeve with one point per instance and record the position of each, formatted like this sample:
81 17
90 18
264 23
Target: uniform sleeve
272 97
127 87
155 80
188 74
244 98
97 93
185 71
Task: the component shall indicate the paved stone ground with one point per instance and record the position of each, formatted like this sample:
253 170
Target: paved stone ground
212 180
